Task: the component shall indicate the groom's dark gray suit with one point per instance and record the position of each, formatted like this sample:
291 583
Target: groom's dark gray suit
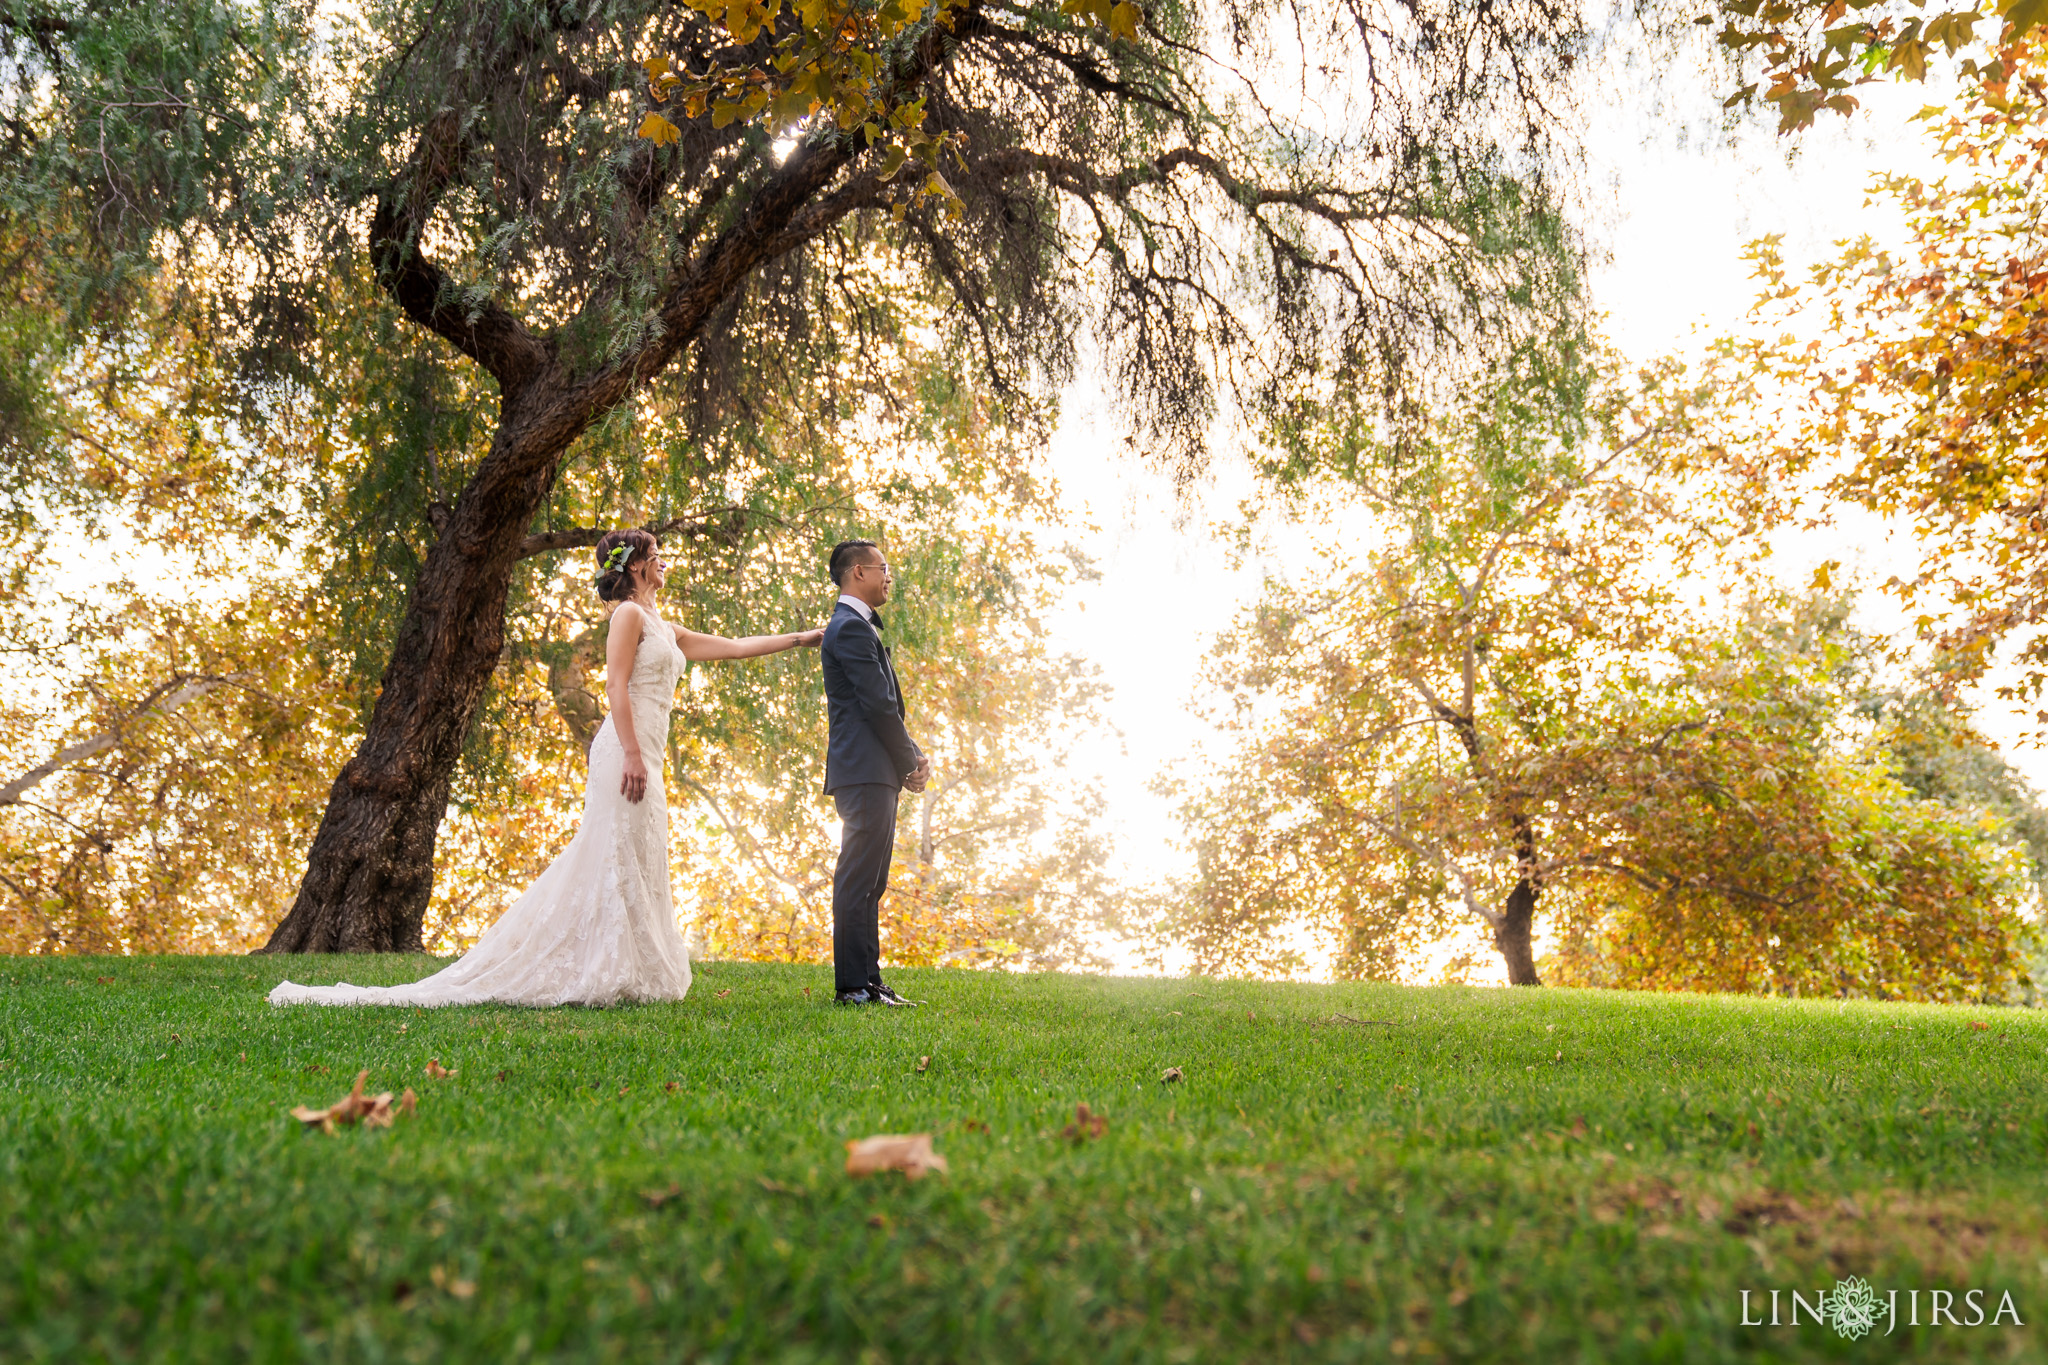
868 753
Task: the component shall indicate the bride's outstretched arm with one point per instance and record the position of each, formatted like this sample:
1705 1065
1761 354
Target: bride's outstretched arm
700 648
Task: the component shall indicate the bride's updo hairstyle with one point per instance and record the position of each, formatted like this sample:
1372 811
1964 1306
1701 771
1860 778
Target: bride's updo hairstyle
619 556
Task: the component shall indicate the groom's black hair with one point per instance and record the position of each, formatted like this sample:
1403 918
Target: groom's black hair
843 558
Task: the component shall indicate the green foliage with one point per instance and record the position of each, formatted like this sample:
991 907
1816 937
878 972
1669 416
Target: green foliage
1805 56
1482 1175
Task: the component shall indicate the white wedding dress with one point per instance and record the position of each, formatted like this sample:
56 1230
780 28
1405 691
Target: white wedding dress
599 926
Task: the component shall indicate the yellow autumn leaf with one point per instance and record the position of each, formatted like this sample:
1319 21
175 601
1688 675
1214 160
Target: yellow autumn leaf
1123 21
659 130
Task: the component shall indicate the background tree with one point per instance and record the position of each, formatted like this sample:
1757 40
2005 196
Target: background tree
1529 700
1915 386
484 165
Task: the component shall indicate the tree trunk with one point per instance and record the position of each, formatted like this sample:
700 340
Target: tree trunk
371 868
1513 935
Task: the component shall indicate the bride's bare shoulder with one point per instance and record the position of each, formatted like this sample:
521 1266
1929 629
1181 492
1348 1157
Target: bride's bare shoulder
630 615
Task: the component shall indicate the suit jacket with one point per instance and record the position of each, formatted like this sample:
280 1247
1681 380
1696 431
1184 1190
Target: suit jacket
868 741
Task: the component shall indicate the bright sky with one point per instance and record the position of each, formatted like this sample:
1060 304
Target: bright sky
1679 197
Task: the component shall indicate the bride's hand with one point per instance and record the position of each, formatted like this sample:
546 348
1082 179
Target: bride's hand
808 639
635 785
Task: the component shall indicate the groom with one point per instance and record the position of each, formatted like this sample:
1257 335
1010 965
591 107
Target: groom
869 759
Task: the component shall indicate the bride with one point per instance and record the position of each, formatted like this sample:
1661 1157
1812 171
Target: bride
599 926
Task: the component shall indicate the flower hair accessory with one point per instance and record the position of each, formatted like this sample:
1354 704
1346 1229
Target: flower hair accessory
616 561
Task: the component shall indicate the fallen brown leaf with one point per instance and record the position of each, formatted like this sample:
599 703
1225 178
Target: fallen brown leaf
656 1198
623 1089
313 1068
923 1062
104 980
403 1027
910 1153
807 992
1172 1073
1086 1124
461 1289
724 993
973 1126
372 1111
437 1072
408 1102
503 1074
1979 1025
670 1086
875 1220
1578 1125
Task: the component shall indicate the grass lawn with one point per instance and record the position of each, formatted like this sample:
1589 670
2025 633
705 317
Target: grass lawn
1467 1174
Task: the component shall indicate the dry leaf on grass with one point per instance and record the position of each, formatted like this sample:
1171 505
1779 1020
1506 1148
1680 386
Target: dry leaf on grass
670 1086
910 1153
372 1111
1171 1074
656 1198
437 1072
104 980
973 1126
724 993
1087 1124
1979 1025
923 1063
1578 1125
807 992
461 1289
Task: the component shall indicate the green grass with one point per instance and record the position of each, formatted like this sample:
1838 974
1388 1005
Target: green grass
1313 1190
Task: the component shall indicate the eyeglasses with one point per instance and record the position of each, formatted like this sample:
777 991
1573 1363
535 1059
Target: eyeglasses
883 566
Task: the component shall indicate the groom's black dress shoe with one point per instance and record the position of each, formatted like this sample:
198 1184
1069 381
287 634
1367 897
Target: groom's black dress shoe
889 997
859 997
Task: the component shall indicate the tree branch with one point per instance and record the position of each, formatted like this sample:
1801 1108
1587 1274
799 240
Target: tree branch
165 698
728 523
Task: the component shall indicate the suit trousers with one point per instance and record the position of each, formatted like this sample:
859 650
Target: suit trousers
867 815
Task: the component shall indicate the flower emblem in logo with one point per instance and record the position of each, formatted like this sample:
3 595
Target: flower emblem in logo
1852 1308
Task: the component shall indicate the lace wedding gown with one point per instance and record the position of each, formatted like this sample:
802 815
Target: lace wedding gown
599 926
